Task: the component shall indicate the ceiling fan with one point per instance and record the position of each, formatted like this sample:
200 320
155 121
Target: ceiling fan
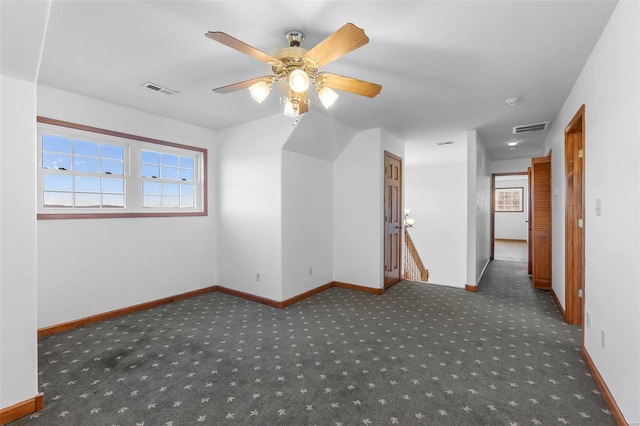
295 68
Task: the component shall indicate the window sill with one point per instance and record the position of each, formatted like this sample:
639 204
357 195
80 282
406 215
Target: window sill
57 216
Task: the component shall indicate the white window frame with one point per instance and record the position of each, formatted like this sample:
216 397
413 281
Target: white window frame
133 180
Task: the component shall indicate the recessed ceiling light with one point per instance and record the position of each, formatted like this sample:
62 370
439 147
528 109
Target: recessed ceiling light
512 143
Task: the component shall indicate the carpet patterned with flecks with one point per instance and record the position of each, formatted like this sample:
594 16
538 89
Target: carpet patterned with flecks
419 354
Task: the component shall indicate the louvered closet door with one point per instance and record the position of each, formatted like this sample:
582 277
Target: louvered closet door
541 222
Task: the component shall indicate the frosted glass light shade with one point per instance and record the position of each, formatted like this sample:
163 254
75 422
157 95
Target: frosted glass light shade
290 110
298 81
327 96
259 91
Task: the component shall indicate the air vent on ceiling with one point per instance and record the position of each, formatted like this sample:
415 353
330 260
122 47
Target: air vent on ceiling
444 143
530 127
160 89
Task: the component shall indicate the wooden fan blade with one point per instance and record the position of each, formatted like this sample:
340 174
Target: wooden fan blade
348 84
240 46
338 44
241 85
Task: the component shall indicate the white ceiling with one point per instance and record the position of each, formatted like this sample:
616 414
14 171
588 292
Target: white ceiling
445 67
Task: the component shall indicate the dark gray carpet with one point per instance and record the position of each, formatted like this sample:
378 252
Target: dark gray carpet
418 354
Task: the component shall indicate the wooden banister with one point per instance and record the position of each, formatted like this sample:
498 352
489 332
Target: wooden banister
414 269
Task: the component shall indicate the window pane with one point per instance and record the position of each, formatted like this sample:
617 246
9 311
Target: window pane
56 161
87 200
169 173
115 186
151 188
187 190
170 202
85 164
187 202
186 162
113 167
56 144
170 189
86 148
58 199
112 151
151 201
87 184
54 182
112 201
186 174
150 157
169 160
150 171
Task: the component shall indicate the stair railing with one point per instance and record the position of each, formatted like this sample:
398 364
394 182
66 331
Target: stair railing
414 269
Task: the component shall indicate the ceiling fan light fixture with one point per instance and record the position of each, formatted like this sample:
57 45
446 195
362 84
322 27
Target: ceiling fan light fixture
291 110
327 96
259 91
298 81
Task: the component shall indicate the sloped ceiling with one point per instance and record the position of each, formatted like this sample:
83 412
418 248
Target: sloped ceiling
445 67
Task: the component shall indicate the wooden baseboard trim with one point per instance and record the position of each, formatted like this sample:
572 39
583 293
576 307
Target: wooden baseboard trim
560 308
510 240
22 409
70 325
249 296
302 296
356 287
606 393
471 288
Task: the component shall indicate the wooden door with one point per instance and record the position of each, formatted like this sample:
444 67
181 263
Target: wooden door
392 219
541 222
529 233
574 219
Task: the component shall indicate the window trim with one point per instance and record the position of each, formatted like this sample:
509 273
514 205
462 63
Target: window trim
96 215
519 191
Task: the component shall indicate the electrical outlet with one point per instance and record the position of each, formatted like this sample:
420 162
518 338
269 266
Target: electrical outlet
310 270
588 319
602 338
257 276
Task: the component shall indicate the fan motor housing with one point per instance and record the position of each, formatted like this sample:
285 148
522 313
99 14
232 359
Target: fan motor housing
292 58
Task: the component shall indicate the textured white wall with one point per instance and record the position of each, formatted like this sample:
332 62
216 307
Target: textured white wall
18 280
482 209
307 223
91 266
508 166
249 197
357 211
609 87
437 196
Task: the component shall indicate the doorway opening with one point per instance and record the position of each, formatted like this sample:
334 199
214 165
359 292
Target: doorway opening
510 216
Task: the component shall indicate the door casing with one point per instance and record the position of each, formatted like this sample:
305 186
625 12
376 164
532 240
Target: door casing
393 219
574 136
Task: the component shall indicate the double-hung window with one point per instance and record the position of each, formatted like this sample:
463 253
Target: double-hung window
88 172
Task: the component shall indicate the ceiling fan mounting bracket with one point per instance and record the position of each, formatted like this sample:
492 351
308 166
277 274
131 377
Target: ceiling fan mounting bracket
294 37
